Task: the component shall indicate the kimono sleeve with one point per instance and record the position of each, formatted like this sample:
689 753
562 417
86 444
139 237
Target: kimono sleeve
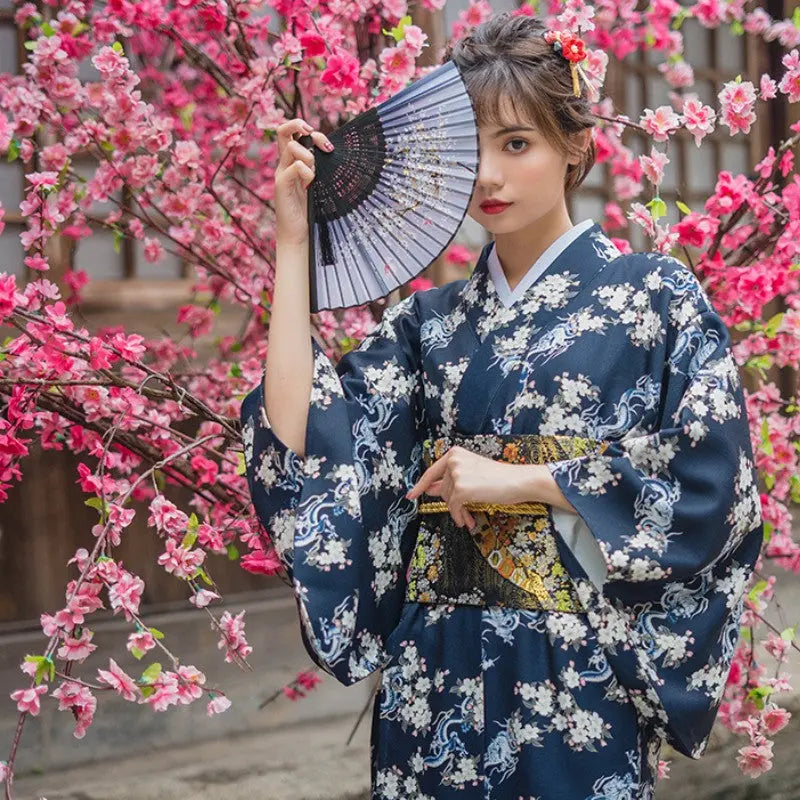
676 512
338 516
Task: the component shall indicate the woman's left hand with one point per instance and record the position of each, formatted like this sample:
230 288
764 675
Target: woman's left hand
461 476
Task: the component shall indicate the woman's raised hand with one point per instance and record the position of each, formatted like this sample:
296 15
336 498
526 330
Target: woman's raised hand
292 178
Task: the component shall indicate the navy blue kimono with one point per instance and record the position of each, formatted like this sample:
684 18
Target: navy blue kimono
497 703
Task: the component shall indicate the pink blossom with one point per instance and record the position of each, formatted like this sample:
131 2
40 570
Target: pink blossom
190 684
653 166
217 704
755 760
414 39
80 701
698 119
206 470
260 562
166 692
790 82
181 561
119 680
9 297
308 680
312 43
27 700
110 64
202 597
126 594
77 649
341 72
737 101
661 123
775 719
233 640
420 284
768 89
141 640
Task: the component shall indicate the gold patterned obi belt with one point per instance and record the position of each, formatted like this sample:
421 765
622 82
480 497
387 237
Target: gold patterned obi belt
511 556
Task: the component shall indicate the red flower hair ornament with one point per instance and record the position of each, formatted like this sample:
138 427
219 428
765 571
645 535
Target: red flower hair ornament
572 48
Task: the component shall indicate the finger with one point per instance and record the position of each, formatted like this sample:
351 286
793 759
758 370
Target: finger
321 140
300 153
285 133
435 489
470 519
433 473
457 513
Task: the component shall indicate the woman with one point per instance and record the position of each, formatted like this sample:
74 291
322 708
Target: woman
544 653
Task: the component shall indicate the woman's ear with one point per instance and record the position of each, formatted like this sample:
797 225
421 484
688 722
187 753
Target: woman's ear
581 142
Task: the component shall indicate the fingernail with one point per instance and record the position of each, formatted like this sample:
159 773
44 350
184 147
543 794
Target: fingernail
328 146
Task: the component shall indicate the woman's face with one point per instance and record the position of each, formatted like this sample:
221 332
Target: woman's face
520 167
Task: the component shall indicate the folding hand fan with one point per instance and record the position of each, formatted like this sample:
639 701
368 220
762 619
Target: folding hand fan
392 194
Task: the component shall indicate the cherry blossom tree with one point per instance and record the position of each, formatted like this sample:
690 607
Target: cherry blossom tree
182 114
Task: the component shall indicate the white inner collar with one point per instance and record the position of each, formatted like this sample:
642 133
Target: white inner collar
504 292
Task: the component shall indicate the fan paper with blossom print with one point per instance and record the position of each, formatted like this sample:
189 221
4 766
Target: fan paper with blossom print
391 195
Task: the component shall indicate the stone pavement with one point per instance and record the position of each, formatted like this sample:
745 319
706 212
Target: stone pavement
290 751
310 761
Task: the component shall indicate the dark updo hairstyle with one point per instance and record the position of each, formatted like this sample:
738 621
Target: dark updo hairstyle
507 56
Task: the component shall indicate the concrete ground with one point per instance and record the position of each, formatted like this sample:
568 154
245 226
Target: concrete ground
304 762
294 751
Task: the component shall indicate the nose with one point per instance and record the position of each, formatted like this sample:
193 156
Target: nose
489 173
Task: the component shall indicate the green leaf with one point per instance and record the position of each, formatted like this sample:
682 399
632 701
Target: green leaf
117 47
397 33
193 523
137 653
201 573
44 666
744 632
769 482
682 207
771 328
118 237
796 17
737 29
189 539
788 634
757 590
766 444
80 28
157 634
13 150
151 673
767 531
657 208
147 690
759 695
679 19
215 306
241 467
235 371
186 115
30 45
47 29
233 552
158 477
96 503
794 267
107 146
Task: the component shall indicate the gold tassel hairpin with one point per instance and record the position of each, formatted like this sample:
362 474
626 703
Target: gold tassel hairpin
573 49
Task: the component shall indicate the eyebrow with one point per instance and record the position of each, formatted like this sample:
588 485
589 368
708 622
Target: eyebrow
512 129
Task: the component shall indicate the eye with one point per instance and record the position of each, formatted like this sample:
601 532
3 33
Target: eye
517 150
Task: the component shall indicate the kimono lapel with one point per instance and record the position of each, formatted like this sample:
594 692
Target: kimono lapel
570 274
